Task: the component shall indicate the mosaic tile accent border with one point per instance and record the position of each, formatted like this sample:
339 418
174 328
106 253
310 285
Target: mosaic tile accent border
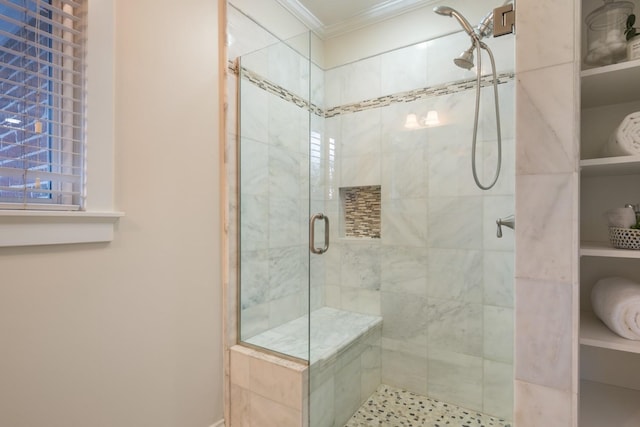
394 407
383 101
415 94
279 91
361 211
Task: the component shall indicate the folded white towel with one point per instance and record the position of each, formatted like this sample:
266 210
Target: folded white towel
616 301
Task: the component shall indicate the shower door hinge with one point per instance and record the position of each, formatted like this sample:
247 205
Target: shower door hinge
504 20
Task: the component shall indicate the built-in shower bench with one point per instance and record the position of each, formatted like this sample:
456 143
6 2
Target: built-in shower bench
329 333
344 354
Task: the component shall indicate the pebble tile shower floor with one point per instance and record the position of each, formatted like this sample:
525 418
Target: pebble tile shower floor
393 407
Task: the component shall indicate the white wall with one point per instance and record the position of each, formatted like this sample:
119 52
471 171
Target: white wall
403 30
129 333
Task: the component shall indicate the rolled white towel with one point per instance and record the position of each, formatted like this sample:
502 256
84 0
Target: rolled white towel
625 138
614 148
616 301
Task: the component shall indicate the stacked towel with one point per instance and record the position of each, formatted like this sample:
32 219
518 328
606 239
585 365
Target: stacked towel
616 301
625 139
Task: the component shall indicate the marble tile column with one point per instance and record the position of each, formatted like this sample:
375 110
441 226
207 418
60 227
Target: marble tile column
547 188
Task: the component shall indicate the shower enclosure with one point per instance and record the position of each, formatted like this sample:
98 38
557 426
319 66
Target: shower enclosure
415 290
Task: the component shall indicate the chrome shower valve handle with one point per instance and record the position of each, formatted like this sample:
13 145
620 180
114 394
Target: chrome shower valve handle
508 221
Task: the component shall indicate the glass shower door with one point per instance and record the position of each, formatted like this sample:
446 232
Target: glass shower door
274 198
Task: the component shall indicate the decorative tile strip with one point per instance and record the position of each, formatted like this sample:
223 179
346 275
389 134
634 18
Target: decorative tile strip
279 91
382 101
415 94
362 211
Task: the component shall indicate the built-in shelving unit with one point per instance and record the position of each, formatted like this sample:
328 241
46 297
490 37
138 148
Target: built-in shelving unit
604 249
596 334
603 405
608 166
608 395
611 84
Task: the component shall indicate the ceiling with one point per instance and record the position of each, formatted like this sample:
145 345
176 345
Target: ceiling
330 18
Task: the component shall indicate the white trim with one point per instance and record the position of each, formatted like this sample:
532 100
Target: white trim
304 15
98 222
80 215
30 228
375 14
218 424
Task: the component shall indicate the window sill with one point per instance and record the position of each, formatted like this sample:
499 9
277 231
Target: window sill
29 228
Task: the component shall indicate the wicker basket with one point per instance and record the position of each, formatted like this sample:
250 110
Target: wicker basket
624 238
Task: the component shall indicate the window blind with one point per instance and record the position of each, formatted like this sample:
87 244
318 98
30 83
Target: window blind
42 104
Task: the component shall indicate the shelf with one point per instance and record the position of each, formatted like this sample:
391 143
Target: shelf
602 249
594 333
605 405
611 84
609 166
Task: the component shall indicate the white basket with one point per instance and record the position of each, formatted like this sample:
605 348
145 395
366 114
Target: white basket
624 238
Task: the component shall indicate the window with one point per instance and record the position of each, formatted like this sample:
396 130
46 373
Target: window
41 104
75 199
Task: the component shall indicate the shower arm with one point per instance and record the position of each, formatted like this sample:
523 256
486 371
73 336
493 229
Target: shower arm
485 27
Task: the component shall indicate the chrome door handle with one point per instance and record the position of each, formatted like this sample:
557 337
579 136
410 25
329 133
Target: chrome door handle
312 233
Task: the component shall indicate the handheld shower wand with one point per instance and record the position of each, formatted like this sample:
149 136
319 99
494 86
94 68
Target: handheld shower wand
451 12
465 60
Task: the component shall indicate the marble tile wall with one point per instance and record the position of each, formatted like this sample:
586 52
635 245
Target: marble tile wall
439 276
343 381
546 359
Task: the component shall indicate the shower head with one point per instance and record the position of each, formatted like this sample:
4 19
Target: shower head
465 60
449 11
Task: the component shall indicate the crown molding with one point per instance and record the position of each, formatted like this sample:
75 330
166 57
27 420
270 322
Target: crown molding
378 13
303 14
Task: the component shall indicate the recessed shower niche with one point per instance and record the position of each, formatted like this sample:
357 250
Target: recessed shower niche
360 212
